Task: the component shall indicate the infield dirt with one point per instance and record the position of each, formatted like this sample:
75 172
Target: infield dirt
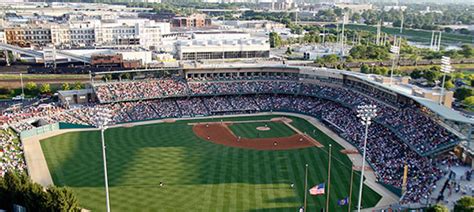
219 133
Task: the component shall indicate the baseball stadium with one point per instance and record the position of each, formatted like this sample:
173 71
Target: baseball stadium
244 138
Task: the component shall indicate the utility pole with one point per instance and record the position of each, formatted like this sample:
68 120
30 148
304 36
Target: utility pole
296 17
401 24
324 33
401 12
22 87
432 39
342 34
378 33
439 41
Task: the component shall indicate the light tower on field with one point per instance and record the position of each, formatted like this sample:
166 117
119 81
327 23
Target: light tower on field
446 69
102 119
366 113
395 50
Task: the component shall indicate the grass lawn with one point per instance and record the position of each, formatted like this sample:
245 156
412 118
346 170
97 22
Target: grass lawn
416 35
248 130
198 175
43 76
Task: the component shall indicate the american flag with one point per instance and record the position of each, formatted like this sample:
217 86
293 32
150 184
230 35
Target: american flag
317 190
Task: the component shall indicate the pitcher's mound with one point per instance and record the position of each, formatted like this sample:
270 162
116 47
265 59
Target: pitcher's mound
263 128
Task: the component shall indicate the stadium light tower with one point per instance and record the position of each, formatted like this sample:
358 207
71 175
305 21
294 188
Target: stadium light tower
366 113
446 69
394 49
102 118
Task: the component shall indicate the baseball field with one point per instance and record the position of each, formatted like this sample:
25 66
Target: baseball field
199 171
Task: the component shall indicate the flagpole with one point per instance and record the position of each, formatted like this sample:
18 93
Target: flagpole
350 189
329 179
305 186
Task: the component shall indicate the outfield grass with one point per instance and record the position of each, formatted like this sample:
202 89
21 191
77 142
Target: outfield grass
198 175
249 130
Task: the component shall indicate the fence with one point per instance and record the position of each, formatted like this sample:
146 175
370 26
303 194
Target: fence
39 130
64 125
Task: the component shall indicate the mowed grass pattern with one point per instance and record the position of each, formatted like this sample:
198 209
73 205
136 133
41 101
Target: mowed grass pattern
198 175
249 130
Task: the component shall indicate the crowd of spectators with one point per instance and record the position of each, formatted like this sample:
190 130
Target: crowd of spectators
218 104
173 87
243 77
166 108
418 130
190 107
386 153
11 152
129 90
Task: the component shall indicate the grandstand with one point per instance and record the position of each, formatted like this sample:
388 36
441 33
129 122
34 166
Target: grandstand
409 129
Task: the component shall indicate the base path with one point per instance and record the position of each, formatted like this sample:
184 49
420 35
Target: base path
220 133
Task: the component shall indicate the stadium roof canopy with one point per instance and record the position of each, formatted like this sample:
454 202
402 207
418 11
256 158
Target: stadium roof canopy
443 111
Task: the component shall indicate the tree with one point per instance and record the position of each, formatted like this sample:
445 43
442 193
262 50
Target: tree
469 101
416 74
107 77
462 93
125 76
65 86
17 188
438 208
356 17
62 198
449 84
466 203
275 40
358 52
383 71
416 58
467 51
349 59
464 31
45 88
31 87
328 59
369 52
459 75
78 85
365 69
431 75
5 91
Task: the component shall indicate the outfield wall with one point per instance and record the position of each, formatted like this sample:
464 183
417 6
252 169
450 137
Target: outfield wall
39 130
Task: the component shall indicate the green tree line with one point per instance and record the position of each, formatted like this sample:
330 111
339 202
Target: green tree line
18 189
